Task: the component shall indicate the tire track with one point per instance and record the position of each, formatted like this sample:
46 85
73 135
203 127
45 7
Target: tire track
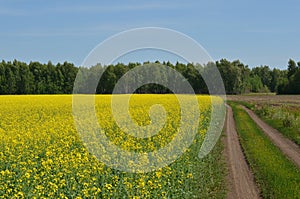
241 180
288 148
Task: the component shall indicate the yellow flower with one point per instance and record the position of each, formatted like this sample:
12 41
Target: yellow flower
41 145
190 175
27 175
158 174
108 186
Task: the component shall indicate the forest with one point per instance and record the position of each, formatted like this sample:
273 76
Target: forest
18 77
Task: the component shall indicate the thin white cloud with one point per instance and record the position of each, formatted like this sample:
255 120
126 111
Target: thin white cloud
86 9
91 30
115 8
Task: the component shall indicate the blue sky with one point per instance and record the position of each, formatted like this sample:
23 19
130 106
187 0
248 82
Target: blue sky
256 32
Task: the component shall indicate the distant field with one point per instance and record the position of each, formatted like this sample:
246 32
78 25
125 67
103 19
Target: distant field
274 99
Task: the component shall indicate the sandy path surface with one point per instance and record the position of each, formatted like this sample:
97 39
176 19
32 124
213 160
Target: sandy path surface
288 148
240 178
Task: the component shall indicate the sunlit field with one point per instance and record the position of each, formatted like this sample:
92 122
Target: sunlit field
42 155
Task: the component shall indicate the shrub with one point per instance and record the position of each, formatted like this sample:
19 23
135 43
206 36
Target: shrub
288 120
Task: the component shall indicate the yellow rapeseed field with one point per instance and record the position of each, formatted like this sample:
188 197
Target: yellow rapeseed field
42 155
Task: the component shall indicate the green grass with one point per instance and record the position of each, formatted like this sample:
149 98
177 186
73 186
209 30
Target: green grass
275 175
292 132
246 104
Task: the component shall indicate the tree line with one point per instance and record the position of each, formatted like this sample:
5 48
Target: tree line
239 79
18 77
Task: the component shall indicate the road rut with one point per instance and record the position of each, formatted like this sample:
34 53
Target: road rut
241 180
288 148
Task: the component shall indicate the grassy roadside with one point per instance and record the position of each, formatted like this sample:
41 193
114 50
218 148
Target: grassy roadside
286 124
290 132
276 176
211 182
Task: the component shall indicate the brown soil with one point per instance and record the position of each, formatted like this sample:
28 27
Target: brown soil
240 178
289 148
270 99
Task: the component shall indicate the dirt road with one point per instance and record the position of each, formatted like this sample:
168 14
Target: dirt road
289 148
240 178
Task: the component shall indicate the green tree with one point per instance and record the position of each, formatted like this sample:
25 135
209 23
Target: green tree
292 67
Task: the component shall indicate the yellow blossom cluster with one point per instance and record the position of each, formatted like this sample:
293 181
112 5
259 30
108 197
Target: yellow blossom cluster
42 155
